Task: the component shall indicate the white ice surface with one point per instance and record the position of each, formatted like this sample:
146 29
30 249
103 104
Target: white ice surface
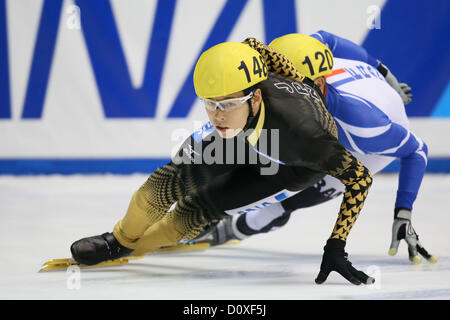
42 215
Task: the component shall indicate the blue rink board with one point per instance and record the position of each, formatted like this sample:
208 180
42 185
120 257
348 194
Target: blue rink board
142 165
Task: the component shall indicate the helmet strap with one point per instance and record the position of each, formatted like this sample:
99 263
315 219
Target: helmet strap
251 115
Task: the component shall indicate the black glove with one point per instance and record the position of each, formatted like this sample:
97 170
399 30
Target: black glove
402 229
335 259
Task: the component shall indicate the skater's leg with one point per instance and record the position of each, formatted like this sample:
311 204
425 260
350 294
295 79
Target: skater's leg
272 217
275 216
148 205
193 213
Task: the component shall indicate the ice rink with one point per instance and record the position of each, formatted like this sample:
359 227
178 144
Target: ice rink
42 215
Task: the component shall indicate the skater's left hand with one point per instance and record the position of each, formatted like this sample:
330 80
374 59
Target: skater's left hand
402 230
335 259
402 89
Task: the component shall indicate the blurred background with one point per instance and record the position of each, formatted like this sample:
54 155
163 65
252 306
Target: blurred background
105 86
96 94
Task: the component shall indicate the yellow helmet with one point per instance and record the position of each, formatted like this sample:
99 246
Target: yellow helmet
310 56
227 68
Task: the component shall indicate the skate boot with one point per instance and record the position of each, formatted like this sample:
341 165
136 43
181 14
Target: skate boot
218 232
96 249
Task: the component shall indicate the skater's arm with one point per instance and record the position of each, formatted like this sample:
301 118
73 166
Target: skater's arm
345 49
412 152
333 159
357 180
318 149
399 142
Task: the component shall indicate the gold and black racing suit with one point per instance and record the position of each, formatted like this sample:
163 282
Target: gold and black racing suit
294 141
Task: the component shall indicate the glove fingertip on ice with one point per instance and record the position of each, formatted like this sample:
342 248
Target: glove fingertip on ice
415 260
355 281
321 278
432 259
392 251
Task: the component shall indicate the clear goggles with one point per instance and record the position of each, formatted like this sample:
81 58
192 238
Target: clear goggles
226 105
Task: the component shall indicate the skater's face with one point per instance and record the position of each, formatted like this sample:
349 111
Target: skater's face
230 122
321 83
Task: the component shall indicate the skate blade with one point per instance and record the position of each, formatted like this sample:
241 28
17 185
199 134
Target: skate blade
235 241
185 247
62 264
192 246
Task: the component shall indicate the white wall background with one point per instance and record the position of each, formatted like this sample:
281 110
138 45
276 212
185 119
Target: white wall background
73 123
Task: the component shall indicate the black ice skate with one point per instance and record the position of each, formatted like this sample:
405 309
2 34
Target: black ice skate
96 249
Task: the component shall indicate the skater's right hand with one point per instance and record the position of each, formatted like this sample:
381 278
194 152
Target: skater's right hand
335 259
402 230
